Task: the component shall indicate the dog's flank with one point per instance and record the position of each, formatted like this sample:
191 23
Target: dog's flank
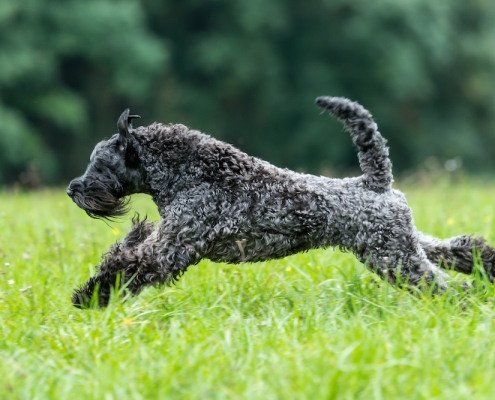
218 203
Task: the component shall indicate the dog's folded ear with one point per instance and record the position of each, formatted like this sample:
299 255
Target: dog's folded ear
125 124
125 128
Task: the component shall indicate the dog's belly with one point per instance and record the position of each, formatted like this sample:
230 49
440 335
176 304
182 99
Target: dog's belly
263 247
268 234
325 213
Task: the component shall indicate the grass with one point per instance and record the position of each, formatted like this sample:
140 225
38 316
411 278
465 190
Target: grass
312 326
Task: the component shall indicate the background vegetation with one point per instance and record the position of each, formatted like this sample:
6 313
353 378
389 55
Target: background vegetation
245 71
313 326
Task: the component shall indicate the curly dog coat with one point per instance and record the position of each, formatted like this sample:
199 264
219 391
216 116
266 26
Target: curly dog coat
219 203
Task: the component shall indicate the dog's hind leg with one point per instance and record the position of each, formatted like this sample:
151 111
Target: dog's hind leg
457 253
401 260
413 269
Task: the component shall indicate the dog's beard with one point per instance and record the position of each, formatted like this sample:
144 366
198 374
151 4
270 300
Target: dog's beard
99 202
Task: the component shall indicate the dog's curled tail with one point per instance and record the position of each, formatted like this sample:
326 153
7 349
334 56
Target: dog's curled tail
373 154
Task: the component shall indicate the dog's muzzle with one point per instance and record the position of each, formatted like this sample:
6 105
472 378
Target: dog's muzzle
98 198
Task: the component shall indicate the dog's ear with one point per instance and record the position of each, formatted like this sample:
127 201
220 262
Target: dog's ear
125 124
131 154
125 128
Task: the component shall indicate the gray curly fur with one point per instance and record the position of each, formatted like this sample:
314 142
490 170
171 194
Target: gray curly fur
219 203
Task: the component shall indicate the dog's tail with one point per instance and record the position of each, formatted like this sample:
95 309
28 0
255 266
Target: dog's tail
373 154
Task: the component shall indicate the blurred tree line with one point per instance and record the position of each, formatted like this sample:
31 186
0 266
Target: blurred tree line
247 72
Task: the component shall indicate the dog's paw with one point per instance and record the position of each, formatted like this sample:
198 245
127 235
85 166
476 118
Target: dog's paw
93 294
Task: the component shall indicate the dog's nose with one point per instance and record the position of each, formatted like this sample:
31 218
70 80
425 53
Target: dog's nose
74 186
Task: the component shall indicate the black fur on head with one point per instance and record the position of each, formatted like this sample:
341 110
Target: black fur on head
113 173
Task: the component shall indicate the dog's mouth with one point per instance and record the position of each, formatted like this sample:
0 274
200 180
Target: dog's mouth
98 202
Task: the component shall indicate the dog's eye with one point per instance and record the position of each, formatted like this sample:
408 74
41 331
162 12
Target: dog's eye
121 148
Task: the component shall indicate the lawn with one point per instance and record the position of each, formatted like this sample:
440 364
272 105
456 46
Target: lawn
312 326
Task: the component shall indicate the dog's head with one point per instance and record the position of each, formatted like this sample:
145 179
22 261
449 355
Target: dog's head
113 173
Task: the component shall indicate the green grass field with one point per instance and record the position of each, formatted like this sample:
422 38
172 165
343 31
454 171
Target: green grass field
312 326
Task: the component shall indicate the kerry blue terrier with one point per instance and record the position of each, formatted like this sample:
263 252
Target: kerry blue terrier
218 203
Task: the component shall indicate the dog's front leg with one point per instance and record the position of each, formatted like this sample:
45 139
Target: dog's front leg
145 257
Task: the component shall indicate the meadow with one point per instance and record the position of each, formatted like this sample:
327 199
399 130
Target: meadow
316 325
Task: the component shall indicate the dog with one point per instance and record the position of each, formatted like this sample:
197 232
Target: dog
218 203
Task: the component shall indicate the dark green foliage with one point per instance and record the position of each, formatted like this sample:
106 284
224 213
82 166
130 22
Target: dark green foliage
246 71
65 69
